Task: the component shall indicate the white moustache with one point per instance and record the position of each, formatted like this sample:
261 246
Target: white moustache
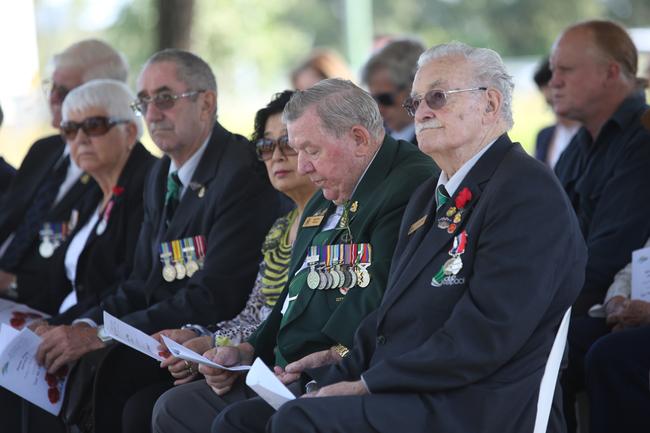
157 126
429 124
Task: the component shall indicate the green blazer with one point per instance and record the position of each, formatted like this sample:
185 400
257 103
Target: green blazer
320 319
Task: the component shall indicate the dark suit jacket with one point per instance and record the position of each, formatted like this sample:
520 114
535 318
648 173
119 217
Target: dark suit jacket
230 202
320 319
544 138
32 272
474 348
7 173
106 259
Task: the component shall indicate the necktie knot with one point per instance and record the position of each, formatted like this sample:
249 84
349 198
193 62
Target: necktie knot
442 196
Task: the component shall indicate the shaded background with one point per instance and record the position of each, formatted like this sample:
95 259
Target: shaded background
252 45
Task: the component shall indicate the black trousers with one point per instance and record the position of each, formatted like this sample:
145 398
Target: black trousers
19 416
618 382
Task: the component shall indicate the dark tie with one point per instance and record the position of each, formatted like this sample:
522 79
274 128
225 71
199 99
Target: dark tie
172 195
442 197
27 231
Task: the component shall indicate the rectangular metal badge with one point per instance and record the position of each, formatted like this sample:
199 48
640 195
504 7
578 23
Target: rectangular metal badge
416 225
313 221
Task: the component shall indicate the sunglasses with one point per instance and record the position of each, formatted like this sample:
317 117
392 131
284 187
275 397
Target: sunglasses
91 126
162 101
386 99
435 99
50 88
264 147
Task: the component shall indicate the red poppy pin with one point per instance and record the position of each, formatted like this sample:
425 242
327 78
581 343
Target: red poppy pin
463 197
118 190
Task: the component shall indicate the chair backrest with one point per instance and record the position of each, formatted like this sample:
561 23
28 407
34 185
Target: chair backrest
549 380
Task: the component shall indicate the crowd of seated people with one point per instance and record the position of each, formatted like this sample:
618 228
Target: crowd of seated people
390 254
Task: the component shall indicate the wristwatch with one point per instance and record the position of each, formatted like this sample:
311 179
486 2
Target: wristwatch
102 334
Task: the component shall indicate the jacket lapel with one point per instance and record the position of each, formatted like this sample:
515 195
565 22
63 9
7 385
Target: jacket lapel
419 255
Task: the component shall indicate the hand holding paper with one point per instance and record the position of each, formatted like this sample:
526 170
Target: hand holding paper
182 352
130 336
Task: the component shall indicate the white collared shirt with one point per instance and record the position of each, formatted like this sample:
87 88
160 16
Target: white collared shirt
71 176
186 171
451 185
405 134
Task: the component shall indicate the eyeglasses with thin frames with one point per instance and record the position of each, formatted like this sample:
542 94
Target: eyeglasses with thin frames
51 88
162 101
435 99
264 147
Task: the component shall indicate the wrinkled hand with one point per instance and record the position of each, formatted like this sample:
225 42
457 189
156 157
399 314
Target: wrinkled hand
186 371
292 371
39 323
340 389
178 335
64 344
636 313
221 381
613 309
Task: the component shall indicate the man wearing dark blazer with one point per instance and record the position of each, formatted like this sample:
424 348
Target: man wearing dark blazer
482 275
209 196
366 178
48 185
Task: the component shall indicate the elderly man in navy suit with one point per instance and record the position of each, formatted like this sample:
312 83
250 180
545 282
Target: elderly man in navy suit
482 275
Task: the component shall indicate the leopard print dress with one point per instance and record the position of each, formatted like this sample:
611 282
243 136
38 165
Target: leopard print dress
270 281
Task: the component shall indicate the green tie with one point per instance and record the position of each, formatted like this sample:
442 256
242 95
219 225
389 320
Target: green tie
172 195
442 196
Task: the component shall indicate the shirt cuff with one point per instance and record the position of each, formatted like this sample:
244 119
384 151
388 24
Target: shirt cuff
87 321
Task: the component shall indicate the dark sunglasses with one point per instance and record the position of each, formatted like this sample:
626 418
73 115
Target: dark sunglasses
162 101
435 99
52 89
264 147
386 99
91 126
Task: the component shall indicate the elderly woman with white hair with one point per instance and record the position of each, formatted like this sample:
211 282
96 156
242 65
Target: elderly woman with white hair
103 134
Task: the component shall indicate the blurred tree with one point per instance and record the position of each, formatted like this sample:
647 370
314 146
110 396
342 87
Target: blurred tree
175 23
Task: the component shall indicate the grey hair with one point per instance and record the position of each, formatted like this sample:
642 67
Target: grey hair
95 58
340 105
399 58
190 68
488 70
111 95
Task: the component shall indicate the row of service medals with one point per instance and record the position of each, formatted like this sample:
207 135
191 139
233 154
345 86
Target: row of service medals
52 236
340 266
181 258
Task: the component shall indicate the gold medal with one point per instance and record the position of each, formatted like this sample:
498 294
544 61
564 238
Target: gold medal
451 211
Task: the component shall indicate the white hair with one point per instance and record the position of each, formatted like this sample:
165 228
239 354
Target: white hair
111 95
95 58
488 70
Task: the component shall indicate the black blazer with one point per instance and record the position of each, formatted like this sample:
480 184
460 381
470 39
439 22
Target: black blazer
231 202
107 259
542 142
7 173
32 272
474 347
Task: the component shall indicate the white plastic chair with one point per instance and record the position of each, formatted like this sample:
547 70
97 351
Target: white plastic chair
549 380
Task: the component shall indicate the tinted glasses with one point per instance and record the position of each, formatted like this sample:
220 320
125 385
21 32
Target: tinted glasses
162 101
51 89
91 126
386 99
264 147
435 99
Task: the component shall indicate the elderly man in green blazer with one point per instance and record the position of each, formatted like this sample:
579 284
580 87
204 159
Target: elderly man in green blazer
341 255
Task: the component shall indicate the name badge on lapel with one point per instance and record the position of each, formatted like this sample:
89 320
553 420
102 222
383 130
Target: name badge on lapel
316 219
416 225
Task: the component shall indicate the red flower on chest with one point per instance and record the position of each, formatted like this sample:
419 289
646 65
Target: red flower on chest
463 197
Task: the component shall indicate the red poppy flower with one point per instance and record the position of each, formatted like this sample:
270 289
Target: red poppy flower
53 395
463 197
17 323
118 190
51 380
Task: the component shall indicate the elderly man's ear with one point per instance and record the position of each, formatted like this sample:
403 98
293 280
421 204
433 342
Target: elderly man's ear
493 105
362 140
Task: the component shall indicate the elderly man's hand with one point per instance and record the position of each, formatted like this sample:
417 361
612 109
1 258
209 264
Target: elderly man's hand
292 371
185 371
178 335
64 344
613 309
340 389
636 313
221 381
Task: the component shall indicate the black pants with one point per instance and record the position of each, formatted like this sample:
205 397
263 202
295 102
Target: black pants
618 374
19 416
